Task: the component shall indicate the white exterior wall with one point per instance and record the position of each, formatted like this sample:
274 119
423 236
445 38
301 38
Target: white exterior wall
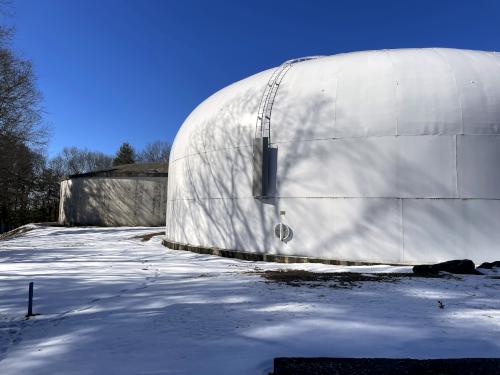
382 156
113 201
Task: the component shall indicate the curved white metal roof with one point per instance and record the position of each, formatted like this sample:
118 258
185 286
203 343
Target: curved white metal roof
360 94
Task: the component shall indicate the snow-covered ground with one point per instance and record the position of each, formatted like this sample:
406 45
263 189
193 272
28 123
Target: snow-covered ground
112 304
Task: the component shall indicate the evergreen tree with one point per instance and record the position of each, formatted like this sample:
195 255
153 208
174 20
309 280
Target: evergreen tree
125 155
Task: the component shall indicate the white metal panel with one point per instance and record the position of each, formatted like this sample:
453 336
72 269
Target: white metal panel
481 231
367 230
304 107
312 223
428 99
236 224
171 180
478 78
478 166
366 102
177 184
305 169
433 230
426 167
223 173
180 224
344 229
356 167
437 230
368 167
243 224
170 223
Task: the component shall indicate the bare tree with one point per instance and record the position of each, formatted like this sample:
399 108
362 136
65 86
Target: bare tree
21 136
155 152
73 160
20 110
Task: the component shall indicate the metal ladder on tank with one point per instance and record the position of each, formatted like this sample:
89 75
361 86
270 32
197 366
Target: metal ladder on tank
263 127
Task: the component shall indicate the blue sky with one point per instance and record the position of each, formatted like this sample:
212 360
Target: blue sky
132 70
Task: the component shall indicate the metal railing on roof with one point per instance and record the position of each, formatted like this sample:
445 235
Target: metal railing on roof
263 126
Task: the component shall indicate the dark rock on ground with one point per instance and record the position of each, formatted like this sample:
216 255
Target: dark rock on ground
462 266
490 265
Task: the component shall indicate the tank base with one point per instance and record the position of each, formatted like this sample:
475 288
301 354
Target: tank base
261 257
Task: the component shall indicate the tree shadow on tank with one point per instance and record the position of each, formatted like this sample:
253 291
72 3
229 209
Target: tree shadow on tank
354 212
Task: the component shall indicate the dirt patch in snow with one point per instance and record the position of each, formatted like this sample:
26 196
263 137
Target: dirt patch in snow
148 236
339 279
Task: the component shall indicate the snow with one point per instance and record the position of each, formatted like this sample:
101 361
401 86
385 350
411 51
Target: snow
113 304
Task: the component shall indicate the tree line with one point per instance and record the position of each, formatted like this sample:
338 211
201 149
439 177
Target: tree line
73 160
29 179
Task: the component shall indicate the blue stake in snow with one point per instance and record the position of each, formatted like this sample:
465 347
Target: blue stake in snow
30 301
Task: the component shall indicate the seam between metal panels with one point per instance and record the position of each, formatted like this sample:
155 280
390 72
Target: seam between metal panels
211 151
381 136
328 197
334 139
396 90
459 92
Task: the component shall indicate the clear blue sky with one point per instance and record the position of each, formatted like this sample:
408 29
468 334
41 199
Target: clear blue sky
116 70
